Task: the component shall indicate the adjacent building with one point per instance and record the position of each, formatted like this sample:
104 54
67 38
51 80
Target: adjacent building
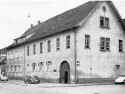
85 42
3 61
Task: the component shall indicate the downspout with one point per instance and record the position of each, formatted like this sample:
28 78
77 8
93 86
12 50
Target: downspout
75 57
24 56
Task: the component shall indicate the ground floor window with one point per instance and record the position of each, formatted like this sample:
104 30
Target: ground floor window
33 66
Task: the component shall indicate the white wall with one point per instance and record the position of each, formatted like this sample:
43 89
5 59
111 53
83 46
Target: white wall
56 57
93 62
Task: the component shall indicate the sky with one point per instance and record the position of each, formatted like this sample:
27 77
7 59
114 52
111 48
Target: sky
16 16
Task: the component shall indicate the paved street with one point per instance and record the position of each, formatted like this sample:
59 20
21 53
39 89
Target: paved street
12 87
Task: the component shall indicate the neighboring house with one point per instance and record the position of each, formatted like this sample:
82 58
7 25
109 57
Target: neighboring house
84 42
3 61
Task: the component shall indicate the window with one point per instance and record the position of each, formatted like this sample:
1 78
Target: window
104 44
19 68
67 41
15 68
11 67
117 67
104 22
57 44
120 45
40 66
49 45
28 50
101 21
33 66
41 47
48 63
87 41
34 49
108 44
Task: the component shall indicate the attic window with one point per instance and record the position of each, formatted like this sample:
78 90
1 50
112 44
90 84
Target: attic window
104 8
104 22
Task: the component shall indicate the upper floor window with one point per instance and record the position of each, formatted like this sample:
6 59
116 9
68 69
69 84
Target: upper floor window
104 22
87 41
104 44
107 44
34 49
120 45
28 50
58 44
41 47
49 45
68 41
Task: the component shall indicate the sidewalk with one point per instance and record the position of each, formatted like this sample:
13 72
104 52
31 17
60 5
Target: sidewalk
51 85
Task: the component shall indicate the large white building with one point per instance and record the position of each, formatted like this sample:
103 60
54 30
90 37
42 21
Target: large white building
85 42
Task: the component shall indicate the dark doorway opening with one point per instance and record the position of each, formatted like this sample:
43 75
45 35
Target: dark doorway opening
64 72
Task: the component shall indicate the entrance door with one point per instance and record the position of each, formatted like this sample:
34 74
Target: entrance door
64 72
66 77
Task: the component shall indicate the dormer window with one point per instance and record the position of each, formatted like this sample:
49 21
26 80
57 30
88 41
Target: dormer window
104 22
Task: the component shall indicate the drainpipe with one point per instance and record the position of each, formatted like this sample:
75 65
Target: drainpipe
75 57
24 69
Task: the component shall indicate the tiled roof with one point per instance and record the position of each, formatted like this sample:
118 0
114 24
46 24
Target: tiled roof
67 20
61 22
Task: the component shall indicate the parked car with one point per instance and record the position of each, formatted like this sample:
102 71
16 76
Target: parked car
120 80
3 78
31 80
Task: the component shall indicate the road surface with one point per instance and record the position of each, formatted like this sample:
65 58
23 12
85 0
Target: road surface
49 88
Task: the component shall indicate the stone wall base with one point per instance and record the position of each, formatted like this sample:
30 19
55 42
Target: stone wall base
95 80
79 81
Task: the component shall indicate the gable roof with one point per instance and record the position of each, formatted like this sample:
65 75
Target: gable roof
63 21
60 23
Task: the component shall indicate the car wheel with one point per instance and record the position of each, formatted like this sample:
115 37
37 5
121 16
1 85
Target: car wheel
26 82
124 82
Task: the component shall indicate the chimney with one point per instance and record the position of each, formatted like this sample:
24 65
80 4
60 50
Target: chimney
39 22
31 25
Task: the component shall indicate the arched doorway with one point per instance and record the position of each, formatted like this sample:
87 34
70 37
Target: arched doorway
64 72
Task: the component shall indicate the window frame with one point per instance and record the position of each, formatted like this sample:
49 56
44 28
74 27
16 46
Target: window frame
57 44
28 50
104 22
87 41
104 44
120 45
68 39
49 46
33 66
41 47
34 49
